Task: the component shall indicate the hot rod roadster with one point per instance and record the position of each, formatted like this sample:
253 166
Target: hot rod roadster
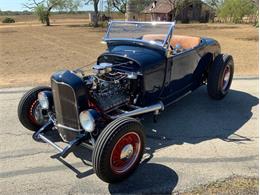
145 69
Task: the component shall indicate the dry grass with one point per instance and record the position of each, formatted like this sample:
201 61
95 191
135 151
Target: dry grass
233 186
30 53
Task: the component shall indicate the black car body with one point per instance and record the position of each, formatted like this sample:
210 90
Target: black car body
143 71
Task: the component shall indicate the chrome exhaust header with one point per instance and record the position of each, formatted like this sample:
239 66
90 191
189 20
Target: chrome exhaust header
142 110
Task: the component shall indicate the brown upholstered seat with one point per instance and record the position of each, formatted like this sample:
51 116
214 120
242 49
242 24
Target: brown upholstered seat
187 42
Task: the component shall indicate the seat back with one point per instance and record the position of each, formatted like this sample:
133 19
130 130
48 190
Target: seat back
186 42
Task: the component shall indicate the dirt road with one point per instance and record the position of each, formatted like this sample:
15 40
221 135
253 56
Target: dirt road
30 53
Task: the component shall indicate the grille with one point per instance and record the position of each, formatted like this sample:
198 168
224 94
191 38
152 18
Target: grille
65 103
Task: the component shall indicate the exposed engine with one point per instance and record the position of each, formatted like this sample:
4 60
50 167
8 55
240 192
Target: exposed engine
110 88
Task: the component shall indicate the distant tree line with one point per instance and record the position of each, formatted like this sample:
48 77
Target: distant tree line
44 8
235 10
14 13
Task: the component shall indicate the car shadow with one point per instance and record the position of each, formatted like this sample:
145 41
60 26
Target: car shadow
150 178
194 119
198 118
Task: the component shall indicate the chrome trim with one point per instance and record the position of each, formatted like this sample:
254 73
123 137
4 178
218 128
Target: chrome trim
68 128
45 139
75 103
141 22
179 98
172 25
86 145
153 108
169 35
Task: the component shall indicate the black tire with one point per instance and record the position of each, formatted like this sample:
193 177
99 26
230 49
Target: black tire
216 85
26 103
106 144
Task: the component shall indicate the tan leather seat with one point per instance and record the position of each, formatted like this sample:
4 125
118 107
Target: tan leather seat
187 42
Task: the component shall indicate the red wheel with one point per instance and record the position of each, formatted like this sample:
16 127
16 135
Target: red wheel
118 150
226 78
125 152
35 114
29 110
220 76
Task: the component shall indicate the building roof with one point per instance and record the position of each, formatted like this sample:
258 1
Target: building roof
159 6
163 7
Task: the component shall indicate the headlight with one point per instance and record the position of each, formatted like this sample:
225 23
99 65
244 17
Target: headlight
87 120
43 100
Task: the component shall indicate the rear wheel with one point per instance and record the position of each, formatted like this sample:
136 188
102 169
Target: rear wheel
220 76
118 150
29 109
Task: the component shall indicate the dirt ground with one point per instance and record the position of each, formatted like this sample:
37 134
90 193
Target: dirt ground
30 52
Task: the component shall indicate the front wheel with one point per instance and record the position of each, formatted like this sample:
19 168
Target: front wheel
220 76
29 109
118 150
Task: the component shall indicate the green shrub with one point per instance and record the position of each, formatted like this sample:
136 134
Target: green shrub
8 20
41 12
101 24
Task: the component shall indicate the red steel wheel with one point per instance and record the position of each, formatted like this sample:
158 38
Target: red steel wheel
220 76
226 78
29 110
125 152
35 114
118 149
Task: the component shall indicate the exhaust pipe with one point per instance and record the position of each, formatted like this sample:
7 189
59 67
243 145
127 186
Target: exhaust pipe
153 108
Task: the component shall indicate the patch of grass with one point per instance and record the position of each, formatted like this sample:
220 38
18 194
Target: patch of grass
233 185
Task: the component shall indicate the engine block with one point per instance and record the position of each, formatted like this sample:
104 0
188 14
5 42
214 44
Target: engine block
110 101
110 93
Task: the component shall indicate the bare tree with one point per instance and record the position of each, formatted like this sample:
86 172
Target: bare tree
119 5
256 2
96 11
216 4
176 6
43 7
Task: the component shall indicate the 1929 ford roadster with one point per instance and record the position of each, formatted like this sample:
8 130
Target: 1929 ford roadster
145 68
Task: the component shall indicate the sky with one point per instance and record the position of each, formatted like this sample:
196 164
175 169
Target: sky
17 5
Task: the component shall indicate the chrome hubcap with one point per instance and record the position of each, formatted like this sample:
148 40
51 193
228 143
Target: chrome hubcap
226 78
37 113
127 152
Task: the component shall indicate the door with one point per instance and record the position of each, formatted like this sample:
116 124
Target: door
179 75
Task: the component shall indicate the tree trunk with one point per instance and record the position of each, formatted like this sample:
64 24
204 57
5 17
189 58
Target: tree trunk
47 17
96 13
47 20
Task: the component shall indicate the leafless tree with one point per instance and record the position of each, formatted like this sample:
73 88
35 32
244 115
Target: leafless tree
43 7
119 5
96 11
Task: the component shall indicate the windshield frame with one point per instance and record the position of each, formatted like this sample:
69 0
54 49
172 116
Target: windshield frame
164 45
